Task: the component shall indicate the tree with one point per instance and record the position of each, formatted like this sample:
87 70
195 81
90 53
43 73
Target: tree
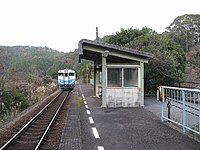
86 70
185 30
194 61
168 64
12 102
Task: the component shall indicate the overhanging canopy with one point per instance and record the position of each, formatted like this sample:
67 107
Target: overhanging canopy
93 50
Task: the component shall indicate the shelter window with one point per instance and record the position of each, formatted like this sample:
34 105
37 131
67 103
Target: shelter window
122 77
130 77
114 77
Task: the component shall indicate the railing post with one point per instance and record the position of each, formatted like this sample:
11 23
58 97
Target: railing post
199 109
162 112
184 110
169 91
169 109
162 96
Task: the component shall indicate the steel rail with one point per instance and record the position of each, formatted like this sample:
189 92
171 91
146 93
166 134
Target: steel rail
28 124
52 120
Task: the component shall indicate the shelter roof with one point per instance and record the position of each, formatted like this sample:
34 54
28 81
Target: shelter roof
93 50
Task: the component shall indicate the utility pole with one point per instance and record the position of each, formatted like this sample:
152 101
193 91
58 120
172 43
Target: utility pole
97 36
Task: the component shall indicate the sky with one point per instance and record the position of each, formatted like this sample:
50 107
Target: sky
61 24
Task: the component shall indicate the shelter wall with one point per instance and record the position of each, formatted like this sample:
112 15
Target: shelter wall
122 97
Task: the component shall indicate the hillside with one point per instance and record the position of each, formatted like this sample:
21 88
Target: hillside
19 62
28 74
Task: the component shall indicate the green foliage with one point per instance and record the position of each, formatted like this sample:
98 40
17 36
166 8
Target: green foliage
184 22
23 61
86 68
47 80
194 60
23 69
180 38
184 29
12 101
68 60
168 64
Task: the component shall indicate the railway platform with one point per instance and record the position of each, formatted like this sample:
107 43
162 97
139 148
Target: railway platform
90 127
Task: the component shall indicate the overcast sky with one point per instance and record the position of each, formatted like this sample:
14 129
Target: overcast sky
60 24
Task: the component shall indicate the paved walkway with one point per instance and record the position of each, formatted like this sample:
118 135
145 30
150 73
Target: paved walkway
71 137
152 105
126 128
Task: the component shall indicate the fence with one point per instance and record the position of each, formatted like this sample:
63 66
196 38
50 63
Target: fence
181 106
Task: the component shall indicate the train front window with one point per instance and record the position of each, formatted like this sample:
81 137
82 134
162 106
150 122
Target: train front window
60 74
71 74
66 74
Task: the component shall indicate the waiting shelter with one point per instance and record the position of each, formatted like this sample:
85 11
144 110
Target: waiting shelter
118 72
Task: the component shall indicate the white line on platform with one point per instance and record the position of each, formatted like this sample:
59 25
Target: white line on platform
91 120
100 147
96 134
88 112
86 106
84 99
85 102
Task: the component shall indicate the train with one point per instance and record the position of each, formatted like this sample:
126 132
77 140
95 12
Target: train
66 79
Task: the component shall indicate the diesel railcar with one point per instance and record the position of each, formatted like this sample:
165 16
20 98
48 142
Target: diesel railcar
66 79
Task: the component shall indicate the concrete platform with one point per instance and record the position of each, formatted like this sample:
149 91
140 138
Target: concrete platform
121 128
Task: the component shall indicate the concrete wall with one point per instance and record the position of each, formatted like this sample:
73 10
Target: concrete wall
122 97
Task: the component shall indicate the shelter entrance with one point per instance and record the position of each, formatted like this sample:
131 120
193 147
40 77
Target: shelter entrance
118 73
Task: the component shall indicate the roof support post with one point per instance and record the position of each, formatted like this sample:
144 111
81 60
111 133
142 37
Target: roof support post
104 80
142 83
95 81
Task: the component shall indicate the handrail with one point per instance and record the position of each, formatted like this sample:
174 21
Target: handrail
180 89
180 106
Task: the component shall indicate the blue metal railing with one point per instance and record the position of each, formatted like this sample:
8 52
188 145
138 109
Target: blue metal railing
180 106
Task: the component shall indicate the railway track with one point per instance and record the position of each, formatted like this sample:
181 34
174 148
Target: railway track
33 134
